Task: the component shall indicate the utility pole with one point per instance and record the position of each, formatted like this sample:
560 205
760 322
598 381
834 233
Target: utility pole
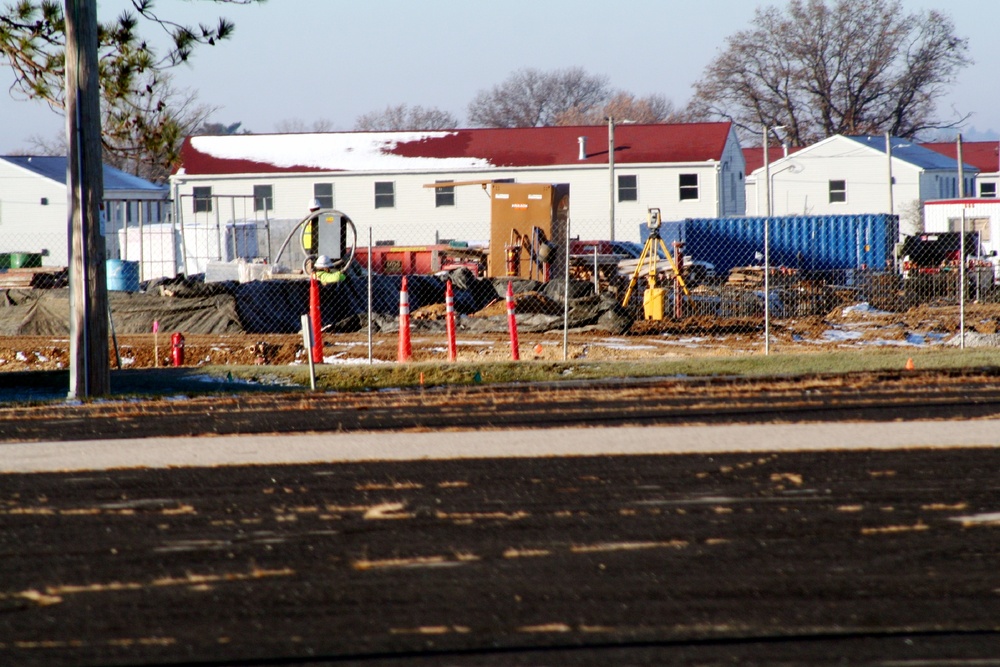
89 370
611 173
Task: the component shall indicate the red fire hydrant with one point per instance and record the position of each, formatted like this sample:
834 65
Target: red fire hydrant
177 349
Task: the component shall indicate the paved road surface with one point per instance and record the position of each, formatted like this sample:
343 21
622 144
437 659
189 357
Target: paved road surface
580 547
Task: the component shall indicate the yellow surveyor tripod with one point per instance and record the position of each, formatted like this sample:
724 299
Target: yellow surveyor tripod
653 300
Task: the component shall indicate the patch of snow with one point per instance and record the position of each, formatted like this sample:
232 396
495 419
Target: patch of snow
864 308
344 151
974 339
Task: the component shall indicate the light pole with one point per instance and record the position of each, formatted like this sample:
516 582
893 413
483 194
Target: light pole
611 173
767 169
767 242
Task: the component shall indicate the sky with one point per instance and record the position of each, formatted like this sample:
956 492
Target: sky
334 60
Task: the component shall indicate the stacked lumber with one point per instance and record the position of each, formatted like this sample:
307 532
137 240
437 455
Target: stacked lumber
752 277
746 276
44 277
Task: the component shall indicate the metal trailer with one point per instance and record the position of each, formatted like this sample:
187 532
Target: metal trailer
807 244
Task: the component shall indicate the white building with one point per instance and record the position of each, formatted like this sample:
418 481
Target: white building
33 206
984 156
851 175
979 215
380 179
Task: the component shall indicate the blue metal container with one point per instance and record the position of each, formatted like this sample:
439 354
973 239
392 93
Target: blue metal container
122 276
806 243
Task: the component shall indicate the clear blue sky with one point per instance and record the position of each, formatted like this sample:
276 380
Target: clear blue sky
338 59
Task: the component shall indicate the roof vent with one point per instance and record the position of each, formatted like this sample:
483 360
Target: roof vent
583 147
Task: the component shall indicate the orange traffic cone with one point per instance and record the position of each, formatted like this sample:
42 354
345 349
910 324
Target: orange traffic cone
909 364
405 350
317 324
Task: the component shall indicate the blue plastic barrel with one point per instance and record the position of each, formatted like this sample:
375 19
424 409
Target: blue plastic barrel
123 276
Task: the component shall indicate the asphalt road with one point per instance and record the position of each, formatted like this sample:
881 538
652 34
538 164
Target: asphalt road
543 557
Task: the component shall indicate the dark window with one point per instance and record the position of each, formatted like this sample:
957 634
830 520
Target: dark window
628 188
202 199
988 190
385 194
444 196
838 192
689 186
263 198
323 193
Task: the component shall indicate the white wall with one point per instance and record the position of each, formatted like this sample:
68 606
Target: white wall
945 216
28 225
415 220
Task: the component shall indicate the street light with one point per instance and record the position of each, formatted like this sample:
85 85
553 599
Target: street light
611 167
767 169
767 242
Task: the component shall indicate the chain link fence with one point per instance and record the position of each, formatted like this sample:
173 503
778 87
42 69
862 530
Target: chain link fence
728 286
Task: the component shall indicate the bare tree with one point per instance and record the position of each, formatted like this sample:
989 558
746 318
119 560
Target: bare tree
623 105
143 134
220 129
844 67
403 117
530 98
297 125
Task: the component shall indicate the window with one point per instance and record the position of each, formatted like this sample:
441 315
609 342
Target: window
444 196
202 199
263 198
838 191
385 194
689 186
988 190
323 193
980 225
628 188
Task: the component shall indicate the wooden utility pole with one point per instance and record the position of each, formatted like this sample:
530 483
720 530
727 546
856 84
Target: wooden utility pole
89 369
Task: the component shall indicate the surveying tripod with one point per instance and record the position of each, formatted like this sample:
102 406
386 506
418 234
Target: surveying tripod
649 253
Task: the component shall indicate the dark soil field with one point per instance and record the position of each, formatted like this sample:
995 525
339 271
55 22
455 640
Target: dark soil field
860 558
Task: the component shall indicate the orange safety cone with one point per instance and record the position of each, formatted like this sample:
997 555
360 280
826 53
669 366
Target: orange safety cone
317 324
405 351
909 364
512 323
449 320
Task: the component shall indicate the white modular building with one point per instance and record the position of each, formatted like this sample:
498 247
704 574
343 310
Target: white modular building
384 180
34 207
843 175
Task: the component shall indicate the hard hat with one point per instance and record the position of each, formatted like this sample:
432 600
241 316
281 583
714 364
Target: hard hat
323 262
314 205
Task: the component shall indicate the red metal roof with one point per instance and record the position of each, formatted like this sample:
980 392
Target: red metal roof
518 147
983 155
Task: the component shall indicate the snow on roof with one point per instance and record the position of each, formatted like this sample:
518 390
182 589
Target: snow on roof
453 150
349 151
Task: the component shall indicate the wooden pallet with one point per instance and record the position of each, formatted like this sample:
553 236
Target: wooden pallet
43 277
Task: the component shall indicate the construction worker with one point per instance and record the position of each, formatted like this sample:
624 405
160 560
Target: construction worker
327 272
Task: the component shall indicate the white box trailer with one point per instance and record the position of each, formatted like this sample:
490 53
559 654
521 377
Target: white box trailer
980 215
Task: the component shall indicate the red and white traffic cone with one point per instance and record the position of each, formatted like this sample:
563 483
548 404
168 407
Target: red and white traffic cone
405 351
315 319
512 323
449 320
